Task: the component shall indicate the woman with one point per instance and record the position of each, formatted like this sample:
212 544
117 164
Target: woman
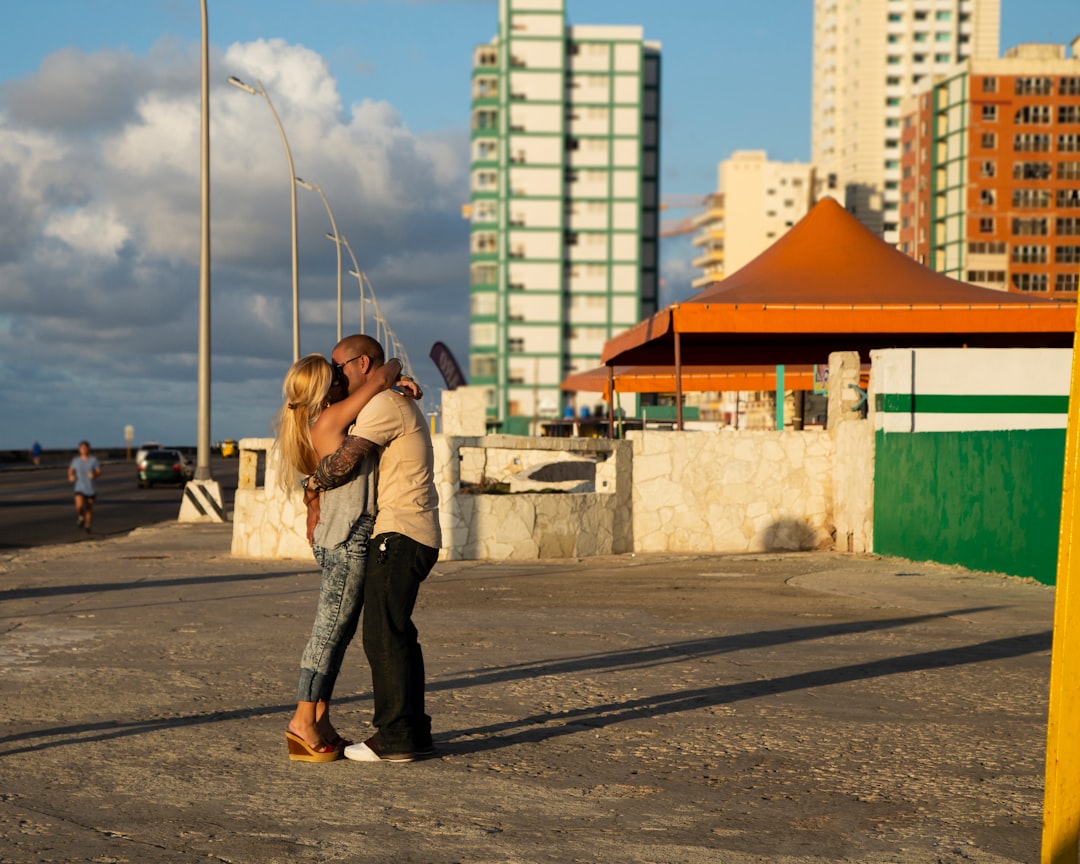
311 424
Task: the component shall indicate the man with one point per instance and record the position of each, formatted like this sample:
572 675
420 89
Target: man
403 549
83 471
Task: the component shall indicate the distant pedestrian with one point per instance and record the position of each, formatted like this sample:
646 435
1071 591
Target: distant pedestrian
35 453
83 471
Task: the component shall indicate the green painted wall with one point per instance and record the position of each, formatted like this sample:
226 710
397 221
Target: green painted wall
984 500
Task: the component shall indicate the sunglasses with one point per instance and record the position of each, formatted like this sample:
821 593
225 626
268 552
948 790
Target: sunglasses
339 368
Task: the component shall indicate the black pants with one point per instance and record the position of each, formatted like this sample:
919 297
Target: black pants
396 566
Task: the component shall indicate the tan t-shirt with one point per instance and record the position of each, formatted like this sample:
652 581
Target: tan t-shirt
407 501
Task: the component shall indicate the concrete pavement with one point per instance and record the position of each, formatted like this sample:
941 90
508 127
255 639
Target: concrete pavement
809 707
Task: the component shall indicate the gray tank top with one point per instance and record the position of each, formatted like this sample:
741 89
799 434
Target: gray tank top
341 508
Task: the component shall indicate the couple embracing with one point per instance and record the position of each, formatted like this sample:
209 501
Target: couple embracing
353 429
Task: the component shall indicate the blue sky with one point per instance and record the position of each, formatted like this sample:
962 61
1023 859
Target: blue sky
99 162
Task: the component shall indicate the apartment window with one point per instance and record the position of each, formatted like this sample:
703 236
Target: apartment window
517 345
1029 254
1067 226
921 37
989 85
943 16
943 37
1030 227
484 242
1030 142
1029 281
989 113
1068 144
1038 115
488 58
1067 254
920 16
1068 198
1031 197
1069 86
1068 171
919 58
988 141
987 197
986 276
943 58
892 38
1068 113
1066 281
483 274
1033 86
986 225
894 17
987 169
892 81
486 119
1031 170
892 60
892 101
986 248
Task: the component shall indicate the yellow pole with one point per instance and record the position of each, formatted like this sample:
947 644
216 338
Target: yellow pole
1061 796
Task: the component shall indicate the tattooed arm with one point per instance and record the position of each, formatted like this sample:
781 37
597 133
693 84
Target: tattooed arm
338 467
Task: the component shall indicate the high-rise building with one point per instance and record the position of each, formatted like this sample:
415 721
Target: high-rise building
564 201
756 202
868 56
990 189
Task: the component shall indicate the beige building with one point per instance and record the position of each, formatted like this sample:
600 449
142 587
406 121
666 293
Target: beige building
868 56
756 202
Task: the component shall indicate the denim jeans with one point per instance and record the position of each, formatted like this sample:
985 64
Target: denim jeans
337 615
397 566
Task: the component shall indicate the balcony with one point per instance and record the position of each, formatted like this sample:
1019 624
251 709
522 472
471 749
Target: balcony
711 258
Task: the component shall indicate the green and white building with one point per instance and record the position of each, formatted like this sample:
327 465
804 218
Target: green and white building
563 206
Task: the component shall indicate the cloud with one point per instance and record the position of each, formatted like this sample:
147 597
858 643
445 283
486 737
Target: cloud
100 233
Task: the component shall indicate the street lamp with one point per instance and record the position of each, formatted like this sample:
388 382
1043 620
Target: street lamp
247 88
202 443
315 187
359 279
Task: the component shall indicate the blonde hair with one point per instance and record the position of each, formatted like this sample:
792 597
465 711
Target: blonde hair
303 396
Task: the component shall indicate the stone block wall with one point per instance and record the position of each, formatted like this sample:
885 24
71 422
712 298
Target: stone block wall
268 521
732 491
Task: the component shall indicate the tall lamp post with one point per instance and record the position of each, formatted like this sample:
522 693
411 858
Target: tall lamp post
359 278
202 457
202 496
315 187
236 82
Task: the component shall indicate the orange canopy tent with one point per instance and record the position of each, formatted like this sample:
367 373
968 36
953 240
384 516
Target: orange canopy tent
828 284
661 379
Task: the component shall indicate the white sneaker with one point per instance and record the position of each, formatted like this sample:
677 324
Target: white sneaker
368 751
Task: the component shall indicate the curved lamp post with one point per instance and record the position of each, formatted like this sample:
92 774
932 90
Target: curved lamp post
315 187
341 240
236 82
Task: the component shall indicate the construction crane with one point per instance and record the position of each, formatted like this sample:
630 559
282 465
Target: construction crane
678 227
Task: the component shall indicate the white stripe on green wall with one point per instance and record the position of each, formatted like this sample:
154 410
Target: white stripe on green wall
974 389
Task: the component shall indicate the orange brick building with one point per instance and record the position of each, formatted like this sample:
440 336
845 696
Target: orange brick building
990 172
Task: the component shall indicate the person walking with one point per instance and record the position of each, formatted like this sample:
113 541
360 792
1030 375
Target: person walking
35 453
404 546
83 471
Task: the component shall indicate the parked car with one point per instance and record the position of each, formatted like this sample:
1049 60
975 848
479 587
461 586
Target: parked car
162 466
145 448
229 448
